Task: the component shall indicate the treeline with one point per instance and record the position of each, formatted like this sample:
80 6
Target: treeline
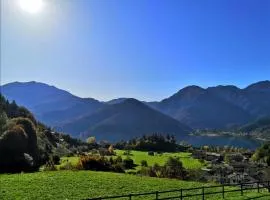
26 144
154 142
224 149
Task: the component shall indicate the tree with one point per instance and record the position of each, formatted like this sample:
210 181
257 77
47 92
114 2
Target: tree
111 150
13 151
173 168
14 141
128 163
3 121
30 131
263 154
91 140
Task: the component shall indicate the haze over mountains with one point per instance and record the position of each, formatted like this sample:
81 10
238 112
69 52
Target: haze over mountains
123 118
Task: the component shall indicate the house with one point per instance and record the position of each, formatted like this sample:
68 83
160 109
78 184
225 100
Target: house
236 178
215 157
209 156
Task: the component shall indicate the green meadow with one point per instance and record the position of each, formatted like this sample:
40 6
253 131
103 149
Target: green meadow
138 156
67 185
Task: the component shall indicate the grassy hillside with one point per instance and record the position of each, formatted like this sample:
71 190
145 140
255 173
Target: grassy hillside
86 184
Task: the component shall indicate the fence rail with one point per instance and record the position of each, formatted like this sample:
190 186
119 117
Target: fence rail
182 193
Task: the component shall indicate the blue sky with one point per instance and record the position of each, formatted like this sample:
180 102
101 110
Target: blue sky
147 49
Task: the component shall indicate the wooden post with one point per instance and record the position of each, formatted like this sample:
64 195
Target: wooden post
223 192
258 187
156 194
241 189
181 194
130 196
202 193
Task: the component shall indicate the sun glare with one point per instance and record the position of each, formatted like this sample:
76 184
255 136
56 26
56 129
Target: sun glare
31 6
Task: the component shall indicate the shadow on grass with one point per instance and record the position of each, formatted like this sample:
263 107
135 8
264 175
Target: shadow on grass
258 197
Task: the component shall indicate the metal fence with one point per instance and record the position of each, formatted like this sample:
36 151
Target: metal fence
201 192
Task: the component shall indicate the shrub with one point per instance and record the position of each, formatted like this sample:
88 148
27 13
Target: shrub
49 166
151 153
118 167
202 161
128 163
69 166
118 159
173 168
104 152
148 171
111 150
127 152
196 175
56 159
144 163
98 163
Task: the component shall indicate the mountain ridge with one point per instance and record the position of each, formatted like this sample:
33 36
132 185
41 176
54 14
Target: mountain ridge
130 118
221 106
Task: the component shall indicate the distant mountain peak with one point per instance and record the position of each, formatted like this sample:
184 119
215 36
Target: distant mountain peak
132 100
192 87
116 101
190 90
29 84
232 87
262 85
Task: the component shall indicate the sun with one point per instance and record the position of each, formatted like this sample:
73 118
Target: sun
31 6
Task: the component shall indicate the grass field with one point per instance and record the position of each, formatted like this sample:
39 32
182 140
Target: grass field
187 160
60 185
138 156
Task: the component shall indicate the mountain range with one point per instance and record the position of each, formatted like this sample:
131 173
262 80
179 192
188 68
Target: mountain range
217 107
190 108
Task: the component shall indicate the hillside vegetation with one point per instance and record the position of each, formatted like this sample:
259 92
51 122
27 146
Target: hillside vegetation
259 128
25 143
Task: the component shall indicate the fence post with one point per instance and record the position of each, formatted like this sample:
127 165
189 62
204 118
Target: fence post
156 194
258 187
241 189
223 191
130 195
181 194
202 193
